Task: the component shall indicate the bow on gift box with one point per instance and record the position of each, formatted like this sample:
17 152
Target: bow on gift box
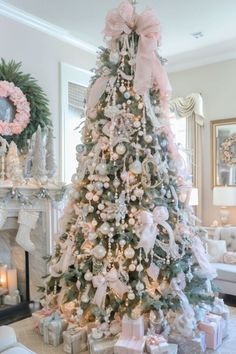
147 230
149 72
111 280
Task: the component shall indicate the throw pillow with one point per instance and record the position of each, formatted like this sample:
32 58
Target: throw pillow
230 257
216 250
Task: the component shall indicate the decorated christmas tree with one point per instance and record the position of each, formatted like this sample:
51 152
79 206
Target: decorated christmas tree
129 244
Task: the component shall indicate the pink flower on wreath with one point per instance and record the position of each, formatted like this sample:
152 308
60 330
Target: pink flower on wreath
22 116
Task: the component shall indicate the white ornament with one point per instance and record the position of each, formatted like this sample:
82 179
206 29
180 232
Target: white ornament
102 168
139 267
120 149
133 198
136 124
138 192
105 228
129 252
90 209
132 267
114 57
88 276
89 196
90 187
131 296
131 221
148 139
106 185
139 286
101 206
78 284
136 167
85 298
92 236
98 185
99 252
95 198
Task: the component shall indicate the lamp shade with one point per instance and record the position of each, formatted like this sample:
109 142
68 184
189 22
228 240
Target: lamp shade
224 196
193 200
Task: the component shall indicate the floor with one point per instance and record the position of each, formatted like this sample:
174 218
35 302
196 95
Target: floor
29 338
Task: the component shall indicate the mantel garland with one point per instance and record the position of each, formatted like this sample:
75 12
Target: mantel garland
39 112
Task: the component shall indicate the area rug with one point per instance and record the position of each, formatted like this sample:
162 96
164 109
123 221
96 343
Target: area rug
27 336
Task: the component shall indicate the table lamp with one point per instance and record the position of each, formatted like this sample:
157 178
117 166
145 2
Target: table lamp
193 200
224 197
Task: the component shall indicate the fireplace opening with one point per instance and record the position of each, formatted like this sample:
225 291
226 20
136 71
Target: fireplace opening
14 280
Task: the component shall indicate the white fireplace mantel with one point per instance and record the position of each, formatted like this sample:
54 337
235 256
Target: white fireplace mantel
50 207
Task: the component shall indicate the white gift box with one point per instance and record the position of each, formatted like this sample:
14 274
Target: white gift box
132 328
129 346
53 326
75 340
101 346
156 344
196 345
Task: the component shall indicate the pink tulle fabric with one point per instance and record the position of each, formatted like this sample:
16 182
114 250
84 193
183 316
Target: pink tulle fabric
149 71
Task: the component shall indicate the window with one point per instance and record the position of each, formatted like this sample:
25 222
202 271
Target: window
74 83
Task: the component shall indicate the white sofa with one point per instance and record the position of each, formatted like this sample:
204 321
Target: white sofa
226 278
9 344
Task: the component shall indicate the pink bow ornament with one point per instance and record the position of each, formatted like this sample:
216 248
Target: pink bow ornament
149 72
148 230
111 280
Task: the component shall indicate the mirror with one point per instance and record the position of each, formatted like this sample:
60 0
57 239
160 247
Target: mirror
7 110
224 152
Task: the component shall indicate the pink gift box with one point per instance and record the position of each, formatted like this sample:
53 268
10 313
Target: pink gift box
38 316
130 346
213 328
132 328
197 344
225 322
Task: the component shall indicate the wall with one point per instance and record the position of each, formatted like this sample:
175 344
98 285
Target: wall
217 84
40 55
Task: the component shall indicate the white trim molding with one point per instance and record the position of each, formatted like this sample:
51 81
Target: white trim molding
39 24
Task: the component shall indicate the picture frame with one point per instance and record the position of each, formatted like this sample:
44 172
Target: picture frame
223 140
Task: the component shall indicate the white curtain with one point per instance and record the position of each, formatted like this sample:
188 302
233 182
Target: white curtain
191 107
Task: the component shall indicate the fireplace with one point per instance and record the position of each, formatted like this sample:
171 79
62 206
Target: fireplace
29 268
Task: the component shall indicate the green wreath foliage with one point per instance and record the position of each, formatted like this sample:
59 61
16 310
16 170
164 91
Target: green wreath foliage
39 110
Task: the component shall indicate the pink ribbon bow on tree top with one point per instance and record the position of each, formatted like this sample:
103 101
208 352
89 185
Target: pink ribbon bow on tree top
148 230
149 71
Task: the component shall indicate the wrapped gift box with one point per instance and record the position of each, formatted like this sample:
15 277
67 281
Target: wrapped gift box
75 340
53 327
129 346
132 328
213 328
101 346
219 308
156 344
38 316
196 345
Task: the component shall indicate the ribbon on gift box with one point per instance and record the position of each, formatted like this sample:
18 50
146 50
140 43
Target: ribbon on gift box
155 340
111 280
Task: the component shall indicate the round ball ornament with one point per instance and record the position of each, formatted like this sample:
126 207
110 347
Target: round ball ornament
148 139
127 95
89 196
102 168
99 252
132 267
114 57
121 149
88 276
131 295
105 228
129 252
85 298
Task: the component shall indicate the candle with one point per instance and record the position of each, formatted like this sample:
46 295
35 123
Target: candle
12 281
3 276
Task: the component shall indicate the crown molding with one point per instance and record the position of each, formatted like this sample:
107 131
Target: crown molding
41 25
213 54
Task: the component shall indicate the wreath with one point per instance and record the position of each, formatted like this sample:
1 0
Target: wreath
28 101
228 155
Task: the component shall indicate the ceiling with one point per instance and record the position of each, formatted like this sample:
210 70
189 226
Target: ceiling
84 19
